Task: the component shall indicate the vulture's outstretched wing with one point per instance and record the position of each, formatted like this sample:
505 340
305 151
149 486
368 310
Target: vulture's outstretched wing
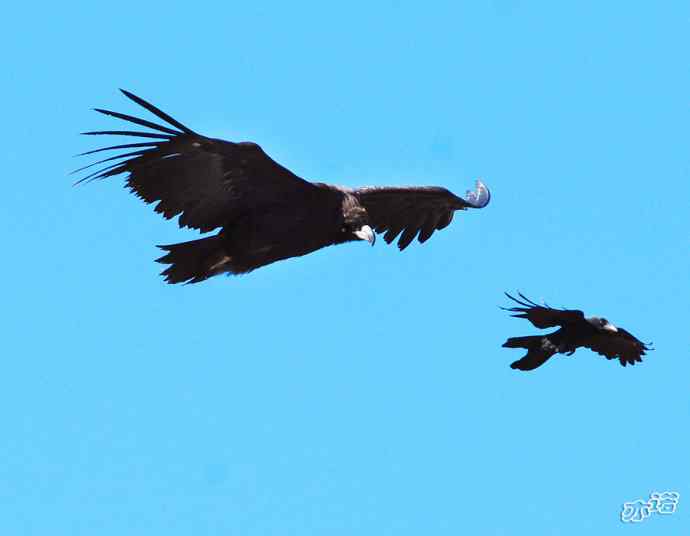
204 180
543 316
621 345
415 210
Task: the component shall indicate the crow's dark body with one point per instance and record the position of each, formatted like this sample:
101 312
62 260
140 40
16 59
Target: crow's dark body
575 331
262 211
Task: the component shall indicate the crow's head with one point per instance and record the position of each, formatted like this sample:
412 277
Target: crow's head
356 223
602 324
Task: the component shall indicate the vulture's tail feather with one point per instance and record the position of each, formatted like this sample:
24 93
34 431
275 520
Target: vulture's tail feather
195 261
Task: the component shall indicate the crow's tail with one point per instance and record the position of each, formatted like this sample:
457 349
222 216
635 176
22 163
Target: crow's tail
539 347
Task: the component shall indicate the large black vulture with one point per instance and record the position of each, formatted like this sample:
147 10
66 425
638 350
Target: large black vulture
576 330
265 213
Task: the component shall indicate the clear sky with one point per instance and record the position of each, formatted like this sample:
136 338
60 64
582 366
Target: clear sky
358 390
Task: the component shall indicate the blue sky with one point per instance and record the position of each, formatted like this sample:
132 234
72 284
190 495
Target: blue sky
357 390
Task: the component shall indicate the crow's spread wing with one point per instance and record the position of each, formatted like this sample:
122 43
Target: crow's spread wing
415 210
206 181
621 345
543 316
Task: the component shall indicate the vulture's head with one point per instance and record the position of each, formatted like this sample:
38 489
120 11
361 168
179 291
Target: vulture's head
602 324
356 224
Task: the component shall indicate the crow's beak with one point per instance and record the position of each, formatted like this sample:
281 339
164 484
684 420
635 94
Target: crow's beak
366 233
610 327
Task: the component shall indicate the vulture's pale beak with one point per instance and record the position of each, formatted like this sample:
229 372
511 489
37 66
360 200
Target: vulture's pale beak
366 233
611 327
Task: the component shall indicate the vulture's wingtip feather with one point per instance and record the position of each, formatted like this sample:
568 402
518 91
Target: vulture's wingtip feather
137 121
478 198
156 111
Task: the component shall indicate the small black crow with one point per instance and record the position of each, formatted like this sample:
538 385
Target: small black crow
265 213
576 330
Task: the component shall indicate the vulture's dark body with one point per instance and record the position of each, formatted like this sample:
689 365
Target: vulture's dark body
257 238
262 212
